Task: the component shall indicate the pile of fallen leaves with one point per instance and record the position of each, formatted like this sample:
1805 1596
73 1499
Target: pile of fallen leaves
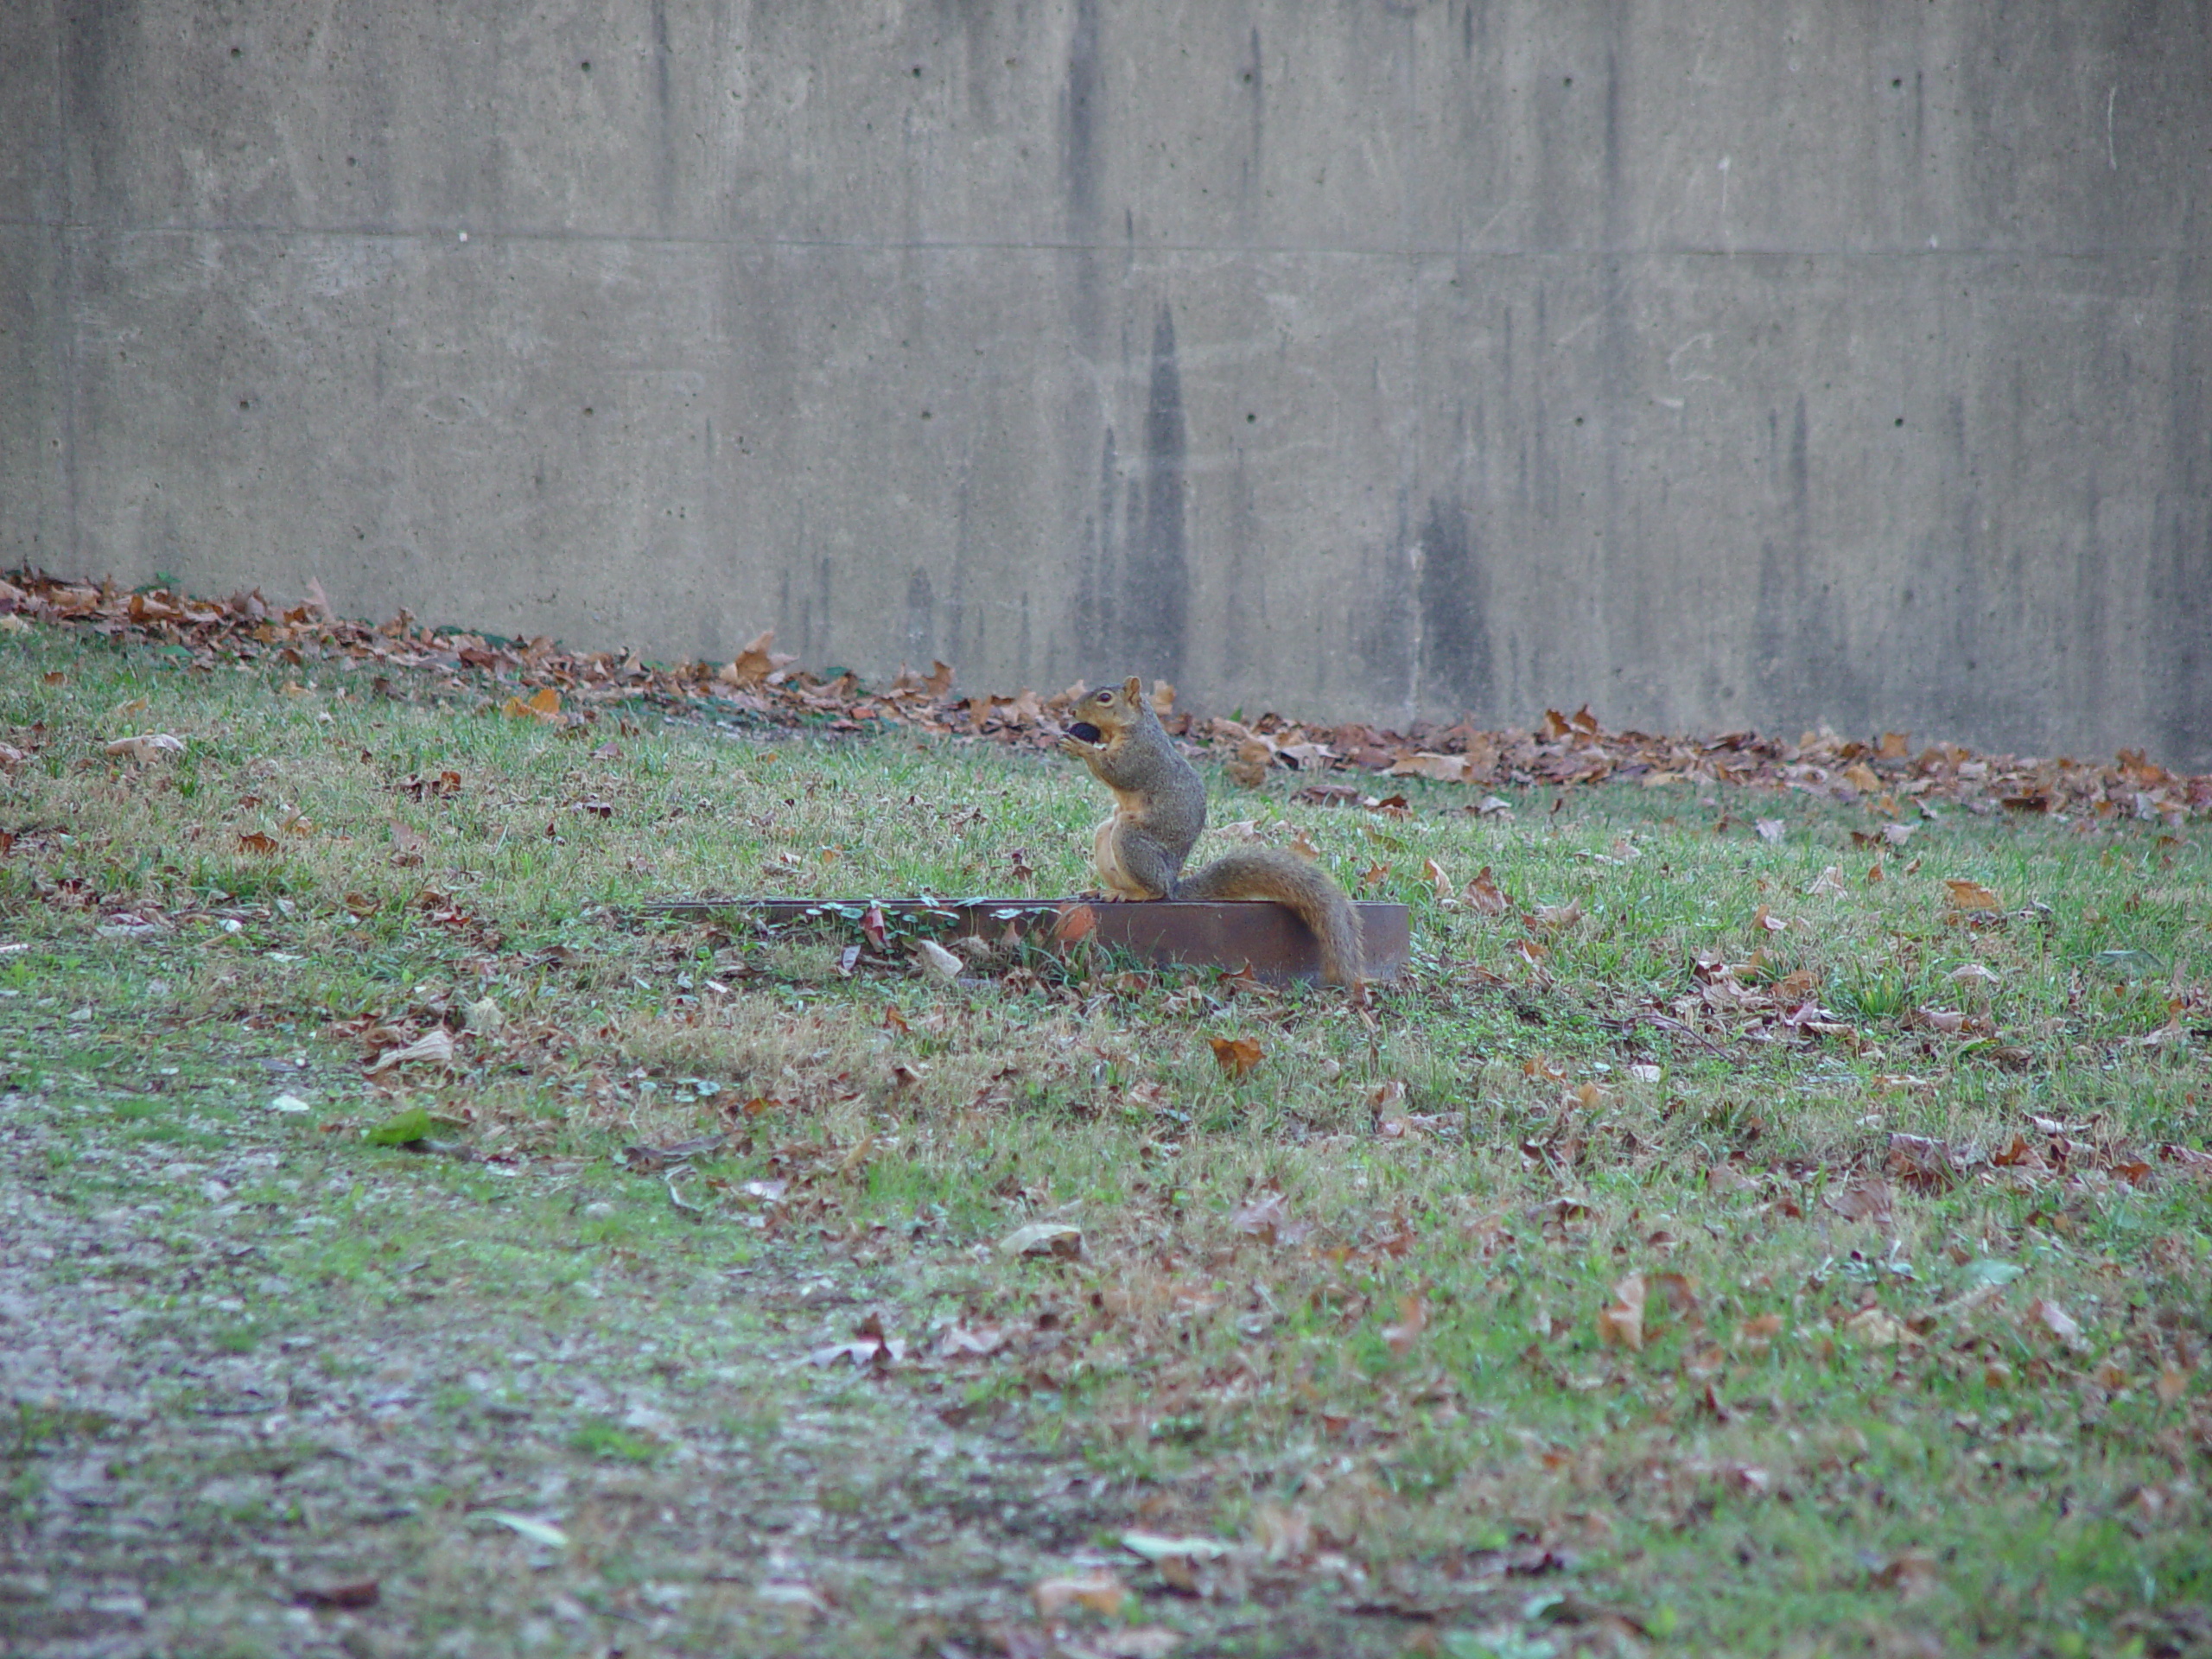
761 685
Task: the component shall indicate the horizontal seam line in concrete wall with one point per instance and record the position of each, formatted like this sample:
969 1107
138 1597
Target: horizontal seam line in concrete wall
770 244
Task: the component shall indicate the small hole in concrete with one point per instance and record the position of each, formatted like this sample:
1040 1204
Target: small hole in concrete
1249 417
1569 81
244 403
586 65
586 408
1896 83
237 52
917 72
1900 419
926 414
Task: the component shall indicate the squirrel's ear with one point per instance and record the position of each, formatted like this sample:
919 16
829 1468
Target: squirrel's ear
1132 689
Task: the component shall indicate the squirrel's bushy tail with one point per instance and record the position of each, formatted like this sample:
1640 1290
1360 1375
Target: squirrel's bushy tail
1264 873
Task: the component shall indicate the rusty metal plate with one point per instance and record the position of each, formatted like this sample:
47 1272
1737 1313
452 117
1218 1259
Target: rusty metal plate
1267 937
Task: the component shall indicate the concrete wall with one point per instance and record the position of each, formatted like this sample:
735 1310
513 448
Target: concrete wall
1750 363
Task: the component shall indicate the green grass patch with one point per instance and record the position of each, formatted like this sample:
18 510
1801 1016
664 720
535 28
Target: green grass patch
1730 1244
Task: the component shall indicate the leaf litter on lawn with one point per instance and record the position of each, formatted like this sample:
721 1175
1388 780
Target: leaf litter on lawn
1343 1312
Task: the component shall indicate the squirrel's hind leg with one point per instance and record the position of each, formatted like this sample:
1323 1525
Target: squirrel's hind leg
1116 879
1131 864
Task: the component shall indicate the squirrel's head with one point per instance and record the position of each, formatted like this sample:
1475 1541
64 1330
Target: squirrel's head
1119 705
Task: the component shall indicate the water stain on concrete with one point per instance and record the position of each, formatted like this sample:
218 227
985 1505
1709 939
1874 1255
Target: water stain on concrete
1156 576
1450 589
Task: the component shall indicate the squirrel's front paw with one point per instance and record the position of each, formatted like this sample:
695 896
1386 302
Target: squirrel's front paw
1078 748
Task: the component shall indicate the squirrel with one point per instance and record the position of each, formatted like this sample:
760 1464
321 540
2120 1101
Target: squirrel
1160 808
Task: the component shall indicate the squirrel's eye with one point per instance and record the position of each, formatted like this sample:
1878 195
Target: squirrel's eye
1104 696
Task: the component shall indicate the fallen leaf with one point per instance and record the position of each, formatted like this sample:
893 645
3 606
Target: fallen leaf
1829 881
940 963
2172 1382
1236 1055
1754 1336
1074 925
752 665
1283 1534
645 1158
151 746
1875 1328
1439 883
434 1045
1057 1239
870 1348
959 1343
1988 1272
1413 1319
1099 1591
1912 1573
1867 1199
1678 1291
1770 829
538 1532
359 1592
1483 895
1132 1642
796 1598
1969 895
255 841
1444 768
1924 1164
1248 767
1620 1323
1155 1548
1263 1217
2056 1320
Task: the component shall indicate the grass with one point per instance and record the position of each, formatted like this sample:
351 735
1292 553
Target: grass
1735 1246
